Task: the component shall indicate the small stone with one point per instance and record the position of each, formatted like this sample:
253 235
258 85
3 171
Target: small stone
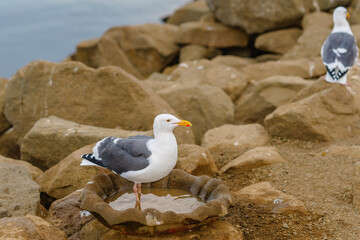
285 225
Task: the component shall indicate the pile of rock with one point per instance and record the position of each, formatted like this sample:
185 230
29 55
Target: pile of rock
238 93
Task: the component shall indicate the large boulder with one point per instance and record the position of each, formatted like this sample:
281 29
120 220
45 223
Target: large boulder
106 97
9 144
52 139
305 68
355 12
19 194
205 106
329 114
279 41
229 141
140 50
190 12
67 215
4 123
232 81
67 176
313 37
29 227
262 16
35 172
266 96
212 34
195 160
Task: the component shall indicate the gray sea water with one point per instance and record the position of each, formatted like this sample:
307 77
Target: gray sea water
51 29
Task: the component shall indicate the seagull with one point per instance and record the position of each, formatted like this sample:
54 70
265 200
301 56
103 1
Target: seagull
139 159
339 51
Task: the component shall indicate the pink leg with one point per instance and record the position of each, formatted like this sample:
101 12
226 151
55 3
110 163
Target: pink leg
135 188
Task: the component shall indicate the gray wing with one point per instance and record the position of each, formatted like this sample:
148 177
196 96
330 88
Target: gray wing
333 46
125 154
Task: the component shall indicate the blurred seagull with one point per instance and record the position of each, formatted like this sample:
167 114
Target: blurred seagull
339 51
140 159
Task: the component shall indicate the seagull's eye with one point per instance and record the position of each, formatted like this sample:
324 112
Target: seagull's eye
168 120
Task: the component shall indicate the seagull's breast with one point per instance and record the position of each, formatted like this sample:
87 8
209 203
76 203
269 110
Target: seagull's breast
162 160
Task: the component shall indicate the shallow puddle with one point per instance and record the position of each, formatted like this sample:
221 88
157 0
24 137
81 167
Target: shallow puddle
162 199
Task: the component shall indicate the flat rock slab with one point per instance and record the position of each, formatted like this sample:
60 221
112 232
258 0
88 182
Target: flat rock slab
264 195
29 228
19 194
35 172
254 158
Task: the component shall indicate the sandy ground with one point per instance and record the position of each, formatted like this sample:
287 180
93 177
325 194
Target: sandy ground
322 181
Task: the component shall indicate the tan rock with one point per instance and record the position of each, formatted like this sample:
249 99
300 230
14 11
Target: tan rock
329 114
211 34
140 50
315 87
72 91
4 123
34 171
305 68
195 52
355 12
262 16
66 215
29 228
356 185
232 81
265 196
219 230
254 158
19 194
9 144
195 160
356 31
317 19
190 12
67 176
229 141
280 41
233 61
266 96
204 106
52 139
309 43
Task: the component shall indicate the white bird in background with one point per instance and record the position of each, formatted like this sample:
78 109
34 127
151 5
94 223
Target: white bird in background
140 159
339 51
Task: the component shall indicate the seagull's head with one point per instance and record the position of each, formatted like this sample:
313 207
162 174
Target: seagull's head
168 122
340 14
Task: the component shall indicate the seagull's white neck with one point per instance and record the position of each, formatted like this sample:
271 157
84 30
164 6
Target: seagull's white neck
164 137
341 25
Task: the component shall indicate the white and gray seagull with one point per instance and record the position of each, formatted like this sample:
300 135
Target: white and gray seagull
339 51
140 159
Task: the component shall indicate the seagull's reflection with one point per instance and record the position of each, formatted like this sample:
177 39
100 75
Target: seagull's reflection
137 204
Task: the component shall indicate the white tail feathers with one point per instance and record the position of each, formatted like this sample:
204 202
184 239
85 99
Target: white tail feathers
85 162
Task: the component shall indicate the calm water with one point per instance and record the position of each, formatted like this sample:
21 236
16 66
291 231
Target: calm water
162 199
50 29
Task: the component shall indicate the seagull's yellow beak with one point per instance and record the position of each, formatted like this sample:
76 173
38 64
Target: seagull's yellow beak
184 123
347 15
